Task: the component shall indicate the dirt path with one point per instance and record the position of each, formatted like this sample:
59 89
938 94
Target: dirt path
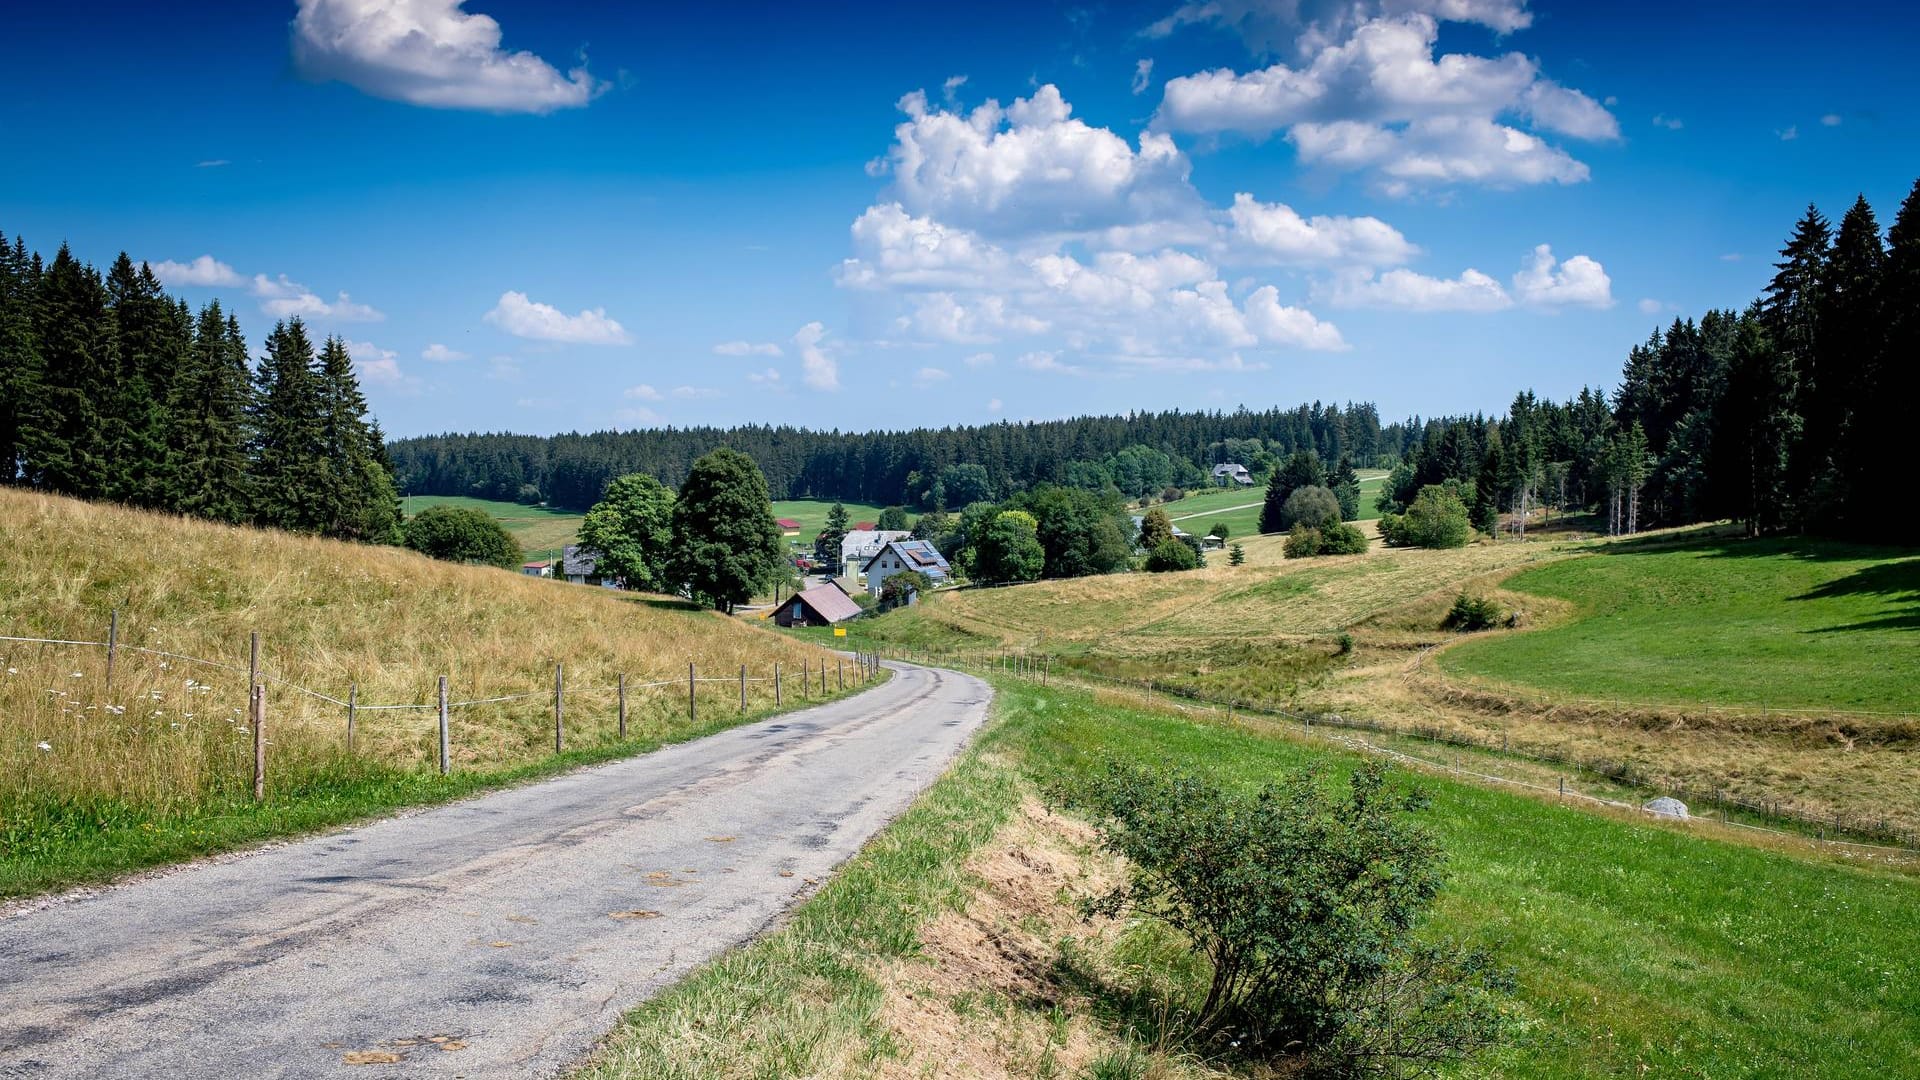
499 936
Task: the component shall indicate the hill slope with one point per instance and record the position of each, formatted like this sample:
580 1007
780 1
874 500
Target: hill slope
166 750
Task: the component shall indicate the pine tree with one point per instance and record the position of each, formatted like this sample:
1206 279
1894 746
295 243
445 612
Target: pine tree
1236 555
207 423
1895 380
1756 431
1791 313
1302 469
1853 330
826 546
289 468
150 346
63 429
1489 486
358 501
19 349
1345 484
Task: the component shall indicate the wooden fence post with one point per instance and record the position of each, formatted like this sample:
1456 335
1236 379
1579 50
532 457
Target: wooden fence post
806 685
113 640
253 663
559 708
839 673
443 726
623 705
776 684
259 743
691 708
743 688
353 706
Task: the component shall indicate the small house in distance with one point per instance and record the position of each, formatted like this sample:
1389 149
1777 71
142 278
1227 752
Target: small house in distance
898 555
581 566
788 526
861 545
1231 473
822 605
537 569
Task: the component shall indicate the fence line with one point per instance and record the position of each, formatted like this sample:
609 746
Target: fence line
258 678
1905 841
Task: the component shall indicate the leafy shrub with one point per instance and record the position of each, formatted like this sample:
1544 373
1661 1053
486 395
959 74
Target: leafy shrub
1171 494
1172 555
1333 537
1343 644
1304 904
461 534
1437 518
1471 613
901 587
1220 530
1303 542
1309 505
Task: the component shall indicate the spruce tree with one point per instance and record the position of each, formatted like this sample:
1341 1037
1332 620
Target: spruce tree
207 423
1303 469
826 546
358 501
63 428
1791 312
1853 330
1895 382
1756 430
149 348
1345 484
289 467
1489 485
19 349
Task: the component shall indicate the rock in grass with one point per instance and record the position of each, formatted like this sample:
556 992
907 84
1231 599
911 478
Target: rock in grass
1667 807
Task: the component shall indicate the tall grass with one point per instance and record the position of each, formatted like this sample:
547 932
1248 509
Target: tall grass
169 741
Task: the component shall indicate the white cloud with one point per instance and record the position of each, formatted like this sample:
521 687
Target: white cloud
525 318
380 367
201 272
211 163
1731 256
1545 282
994 405
1788 133
1142 76
1381 100
283 298
691 393
1830 120
767 377
1650 306
1671 123
1030 166
979 360
643 392
638 416
1276 229
1309 24
747 348
1047 360
817 370
503 369
432 53
440 354
951 88
1276 324
930 376
1410 291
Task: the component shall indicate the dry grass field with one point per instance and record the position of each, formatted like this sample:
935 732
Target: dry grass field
169 738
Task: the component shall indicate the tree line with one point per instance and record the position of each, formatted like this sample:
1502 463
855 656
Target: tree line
1774 416
110 389
1137 454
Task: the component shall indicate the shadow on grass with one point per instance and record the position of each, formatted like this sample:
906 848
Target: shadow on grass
1897 582
1725 542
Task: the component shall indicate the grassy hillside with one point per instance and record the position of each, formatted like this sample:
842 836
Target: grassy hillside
950 944
539 529
1239 508
812 515
1780 623
94 780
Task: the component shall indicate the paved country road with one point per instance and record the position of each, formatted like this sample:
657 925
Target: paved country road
500 936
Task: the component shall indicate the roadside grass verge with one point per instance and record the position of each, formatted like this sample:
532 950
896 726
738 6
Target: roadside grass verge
1639 948
1784 624
97 780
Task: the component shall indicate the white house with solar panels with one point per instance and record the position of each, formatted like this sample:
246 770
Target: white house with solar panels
898 555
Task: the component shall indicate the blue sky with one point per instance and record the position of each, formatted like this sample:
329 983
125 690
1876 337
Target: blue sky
557 216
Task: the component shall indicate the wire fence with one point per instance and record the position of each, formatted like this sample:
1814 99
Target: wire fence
815 681
1870 834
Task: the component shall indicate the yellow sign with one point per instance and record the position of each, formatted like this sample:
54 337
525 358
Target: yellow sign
839 631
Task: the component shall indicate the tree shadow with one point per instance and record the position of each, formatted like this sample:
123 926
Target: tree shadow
1898 583
1725 542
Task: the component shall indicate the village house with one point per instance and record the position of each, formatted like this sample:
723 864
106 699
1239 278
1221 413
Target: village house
822 605
788 526
860 545
581 566
1231 473
537 569
898 555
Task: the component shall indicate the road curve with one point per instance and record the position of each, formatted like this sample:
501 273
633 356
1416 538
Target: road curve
495 937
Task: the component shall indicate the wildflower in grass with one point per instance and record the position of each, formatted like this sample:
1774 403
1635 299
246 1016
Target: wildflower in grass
79 675
13 671
44 745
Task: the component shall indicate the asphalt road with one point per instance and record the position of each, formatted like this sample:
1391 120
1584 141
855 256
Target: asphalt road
497 937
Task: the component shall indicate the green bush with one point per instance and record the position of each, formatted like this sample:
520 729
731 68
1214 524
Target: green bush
461 534
1471 613
1333 537
901 587
1309 505
1172 555
1303 542
1220 530
1437 518
1305 906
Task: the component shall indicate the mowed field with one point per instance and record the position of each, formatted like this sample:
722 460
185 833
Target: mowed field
541 531
1706 641
952 944
97 778
1789 624
1239 508
812 515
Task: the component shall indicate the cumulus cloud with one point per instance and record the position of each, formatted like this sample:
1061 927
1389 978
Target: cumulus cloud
1381 100
201 272
692 393
817 370
431 53
440 354
930 376
1543 281
1788 133
1409 291
284 298
994 405
1277 230
1671 123
525 318
747 348
766 377
380 367
1142 76
1267 26
1830 120
643 392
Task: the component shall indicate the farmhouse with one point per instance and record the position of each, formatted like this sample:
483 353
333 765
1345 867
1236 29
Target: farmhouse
788 526
860 545
822 605
537 569
901 555
581 565
1231 473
